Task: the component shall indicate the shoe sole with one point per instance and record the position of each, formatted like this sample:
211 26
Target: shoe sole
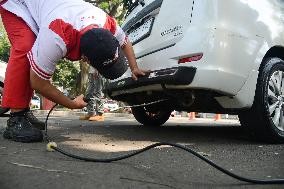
38 125
24 139
97 118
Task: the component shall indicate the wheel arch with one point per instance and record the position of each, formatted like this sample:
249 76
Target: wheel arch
275 51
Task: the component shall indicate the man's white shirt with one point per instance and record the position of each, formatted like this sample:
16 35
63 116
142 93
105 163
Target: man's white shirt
58 25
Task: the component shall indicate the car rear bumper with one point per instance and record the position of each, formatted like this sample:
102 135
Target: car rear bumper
171 76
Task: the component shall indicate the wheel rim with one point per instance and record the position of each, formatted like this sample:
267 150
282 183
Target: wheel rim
276 99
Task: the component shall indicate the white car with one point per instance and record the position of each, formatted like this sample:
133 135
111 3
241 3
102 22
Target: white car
110 105
3 67
35 103
208 56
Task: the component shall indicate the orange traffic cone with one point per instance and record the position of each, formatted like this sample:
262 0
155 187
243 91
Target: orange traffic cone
217 117
191 115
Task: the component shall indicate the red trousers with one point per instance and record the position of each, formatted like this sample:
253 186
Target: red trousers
17 88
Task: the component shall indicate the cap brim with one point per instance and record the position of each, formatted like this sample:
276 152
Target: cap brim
117 69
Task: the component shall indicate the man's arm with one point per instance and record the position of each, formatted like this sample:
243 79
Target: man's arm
45 88
129 53
43 57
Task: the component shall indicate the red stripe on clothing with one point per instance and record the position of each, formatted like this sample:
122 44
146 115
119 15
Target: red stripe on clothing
70 36
41 73
84 30
110 24
2 2
34 68
65 31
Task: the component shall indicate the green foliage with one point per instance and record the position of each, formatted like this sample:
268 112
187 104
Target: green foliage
126 3
104 5
4 45
66 74
115 8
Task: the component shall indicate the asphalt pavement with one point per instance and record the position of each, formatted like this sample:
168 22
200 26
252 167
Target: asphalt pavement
31 166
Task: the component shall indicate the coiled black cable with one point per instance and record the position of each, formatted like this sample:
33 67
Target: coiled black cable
118 158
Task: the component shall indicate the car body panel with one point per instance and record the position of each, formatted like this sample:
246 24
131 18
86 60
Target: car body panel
233 36
3 67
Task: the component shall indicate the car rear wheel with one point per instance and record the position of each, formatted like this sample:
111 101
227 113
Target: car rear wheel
265 120
151 118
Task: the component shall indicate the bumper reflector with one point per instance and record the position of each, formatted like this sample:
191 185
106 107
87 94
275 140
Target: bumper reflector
190 59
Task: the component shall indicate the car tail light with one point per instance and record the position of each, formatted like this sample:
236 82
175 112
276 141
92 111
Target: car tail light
190 59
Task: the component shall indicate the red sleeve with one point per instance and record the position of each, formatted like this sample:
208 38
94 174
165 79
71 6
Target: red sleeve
110 24
116 30
69 35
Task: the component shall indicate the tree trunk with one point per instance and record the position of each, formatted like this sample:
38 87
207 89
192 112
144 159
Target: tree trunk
83 78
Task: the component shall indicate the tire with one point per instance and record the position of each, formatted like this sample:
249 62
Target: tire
152 119
265 120
2 110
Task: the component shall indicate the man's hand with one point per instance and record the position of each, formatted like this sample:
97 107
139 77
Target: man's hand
46 89
79 102
138 72
129 53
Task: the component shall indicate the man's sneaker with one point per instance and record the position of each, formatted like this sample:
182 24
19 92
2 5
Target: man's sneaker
97 118
34 121
19 129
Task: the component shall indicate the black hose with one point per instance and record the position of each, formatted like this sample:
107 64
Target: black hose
118 158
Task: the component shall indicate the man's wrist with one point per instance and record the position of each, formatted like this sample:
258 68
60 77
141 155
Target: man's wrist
133 68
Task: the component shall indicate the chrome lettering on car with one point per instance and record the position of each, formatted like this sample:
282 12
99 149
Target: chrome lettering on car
177 30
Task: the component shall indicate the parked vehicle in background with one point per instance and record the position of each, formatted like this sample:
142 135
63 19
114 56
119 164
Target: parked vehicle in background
3 66
208 56
35 102
110 105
